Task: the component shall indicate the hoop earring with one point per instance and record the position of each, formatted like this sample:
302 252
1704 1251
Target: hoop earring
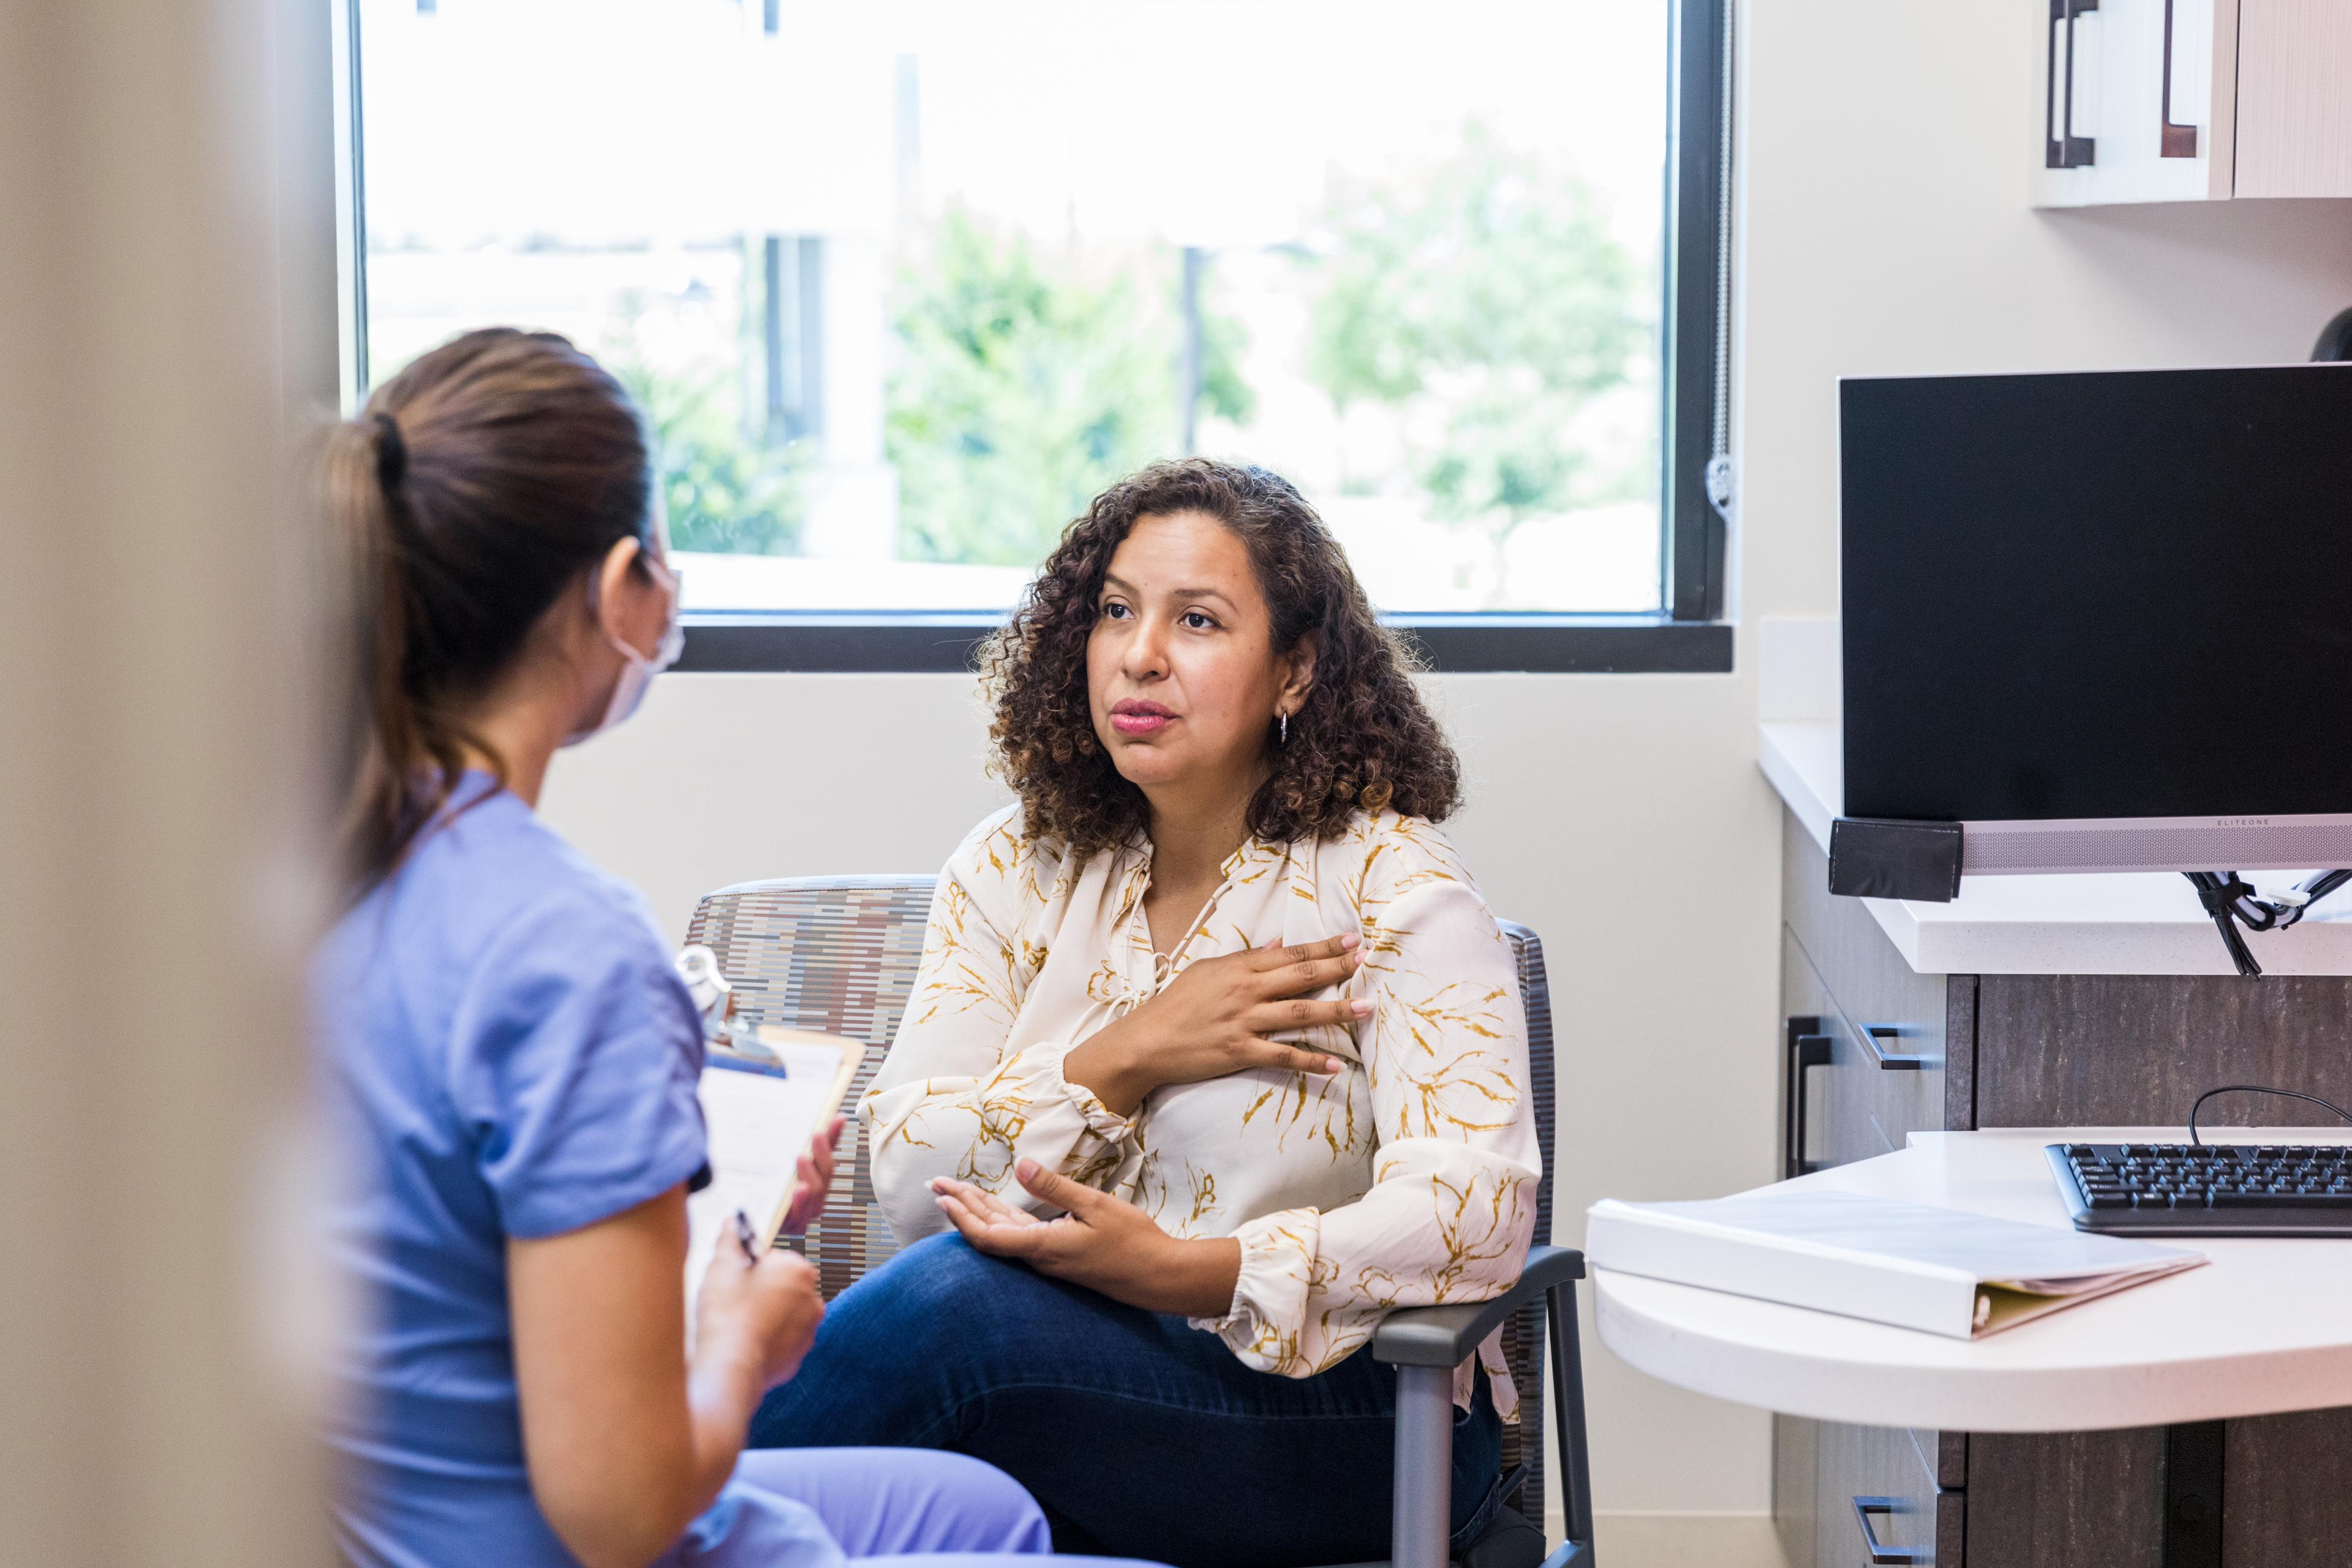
1283 719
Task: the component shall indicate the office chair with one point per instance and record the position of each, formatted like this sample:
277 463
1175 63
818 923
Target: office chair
839 955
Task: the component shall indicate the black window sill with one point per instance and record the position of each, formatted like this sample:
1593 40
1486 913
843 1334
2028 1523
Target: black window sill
821 642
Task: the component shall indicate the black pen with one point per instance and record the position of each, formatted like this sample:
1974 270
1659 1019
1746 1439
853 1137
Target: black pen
743 1235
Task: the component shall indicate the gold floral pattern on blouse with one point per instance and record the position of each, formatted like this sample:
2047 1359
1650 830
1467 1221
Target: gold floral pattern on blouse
1407 1179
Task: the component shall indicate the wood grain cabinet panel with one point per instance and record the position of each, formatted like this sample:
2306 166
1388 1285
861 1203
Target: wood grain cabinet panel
1878 1003
1871 1462
1836 966
1795 1471
2293 111
2066 1499
2055 1051
2286 1490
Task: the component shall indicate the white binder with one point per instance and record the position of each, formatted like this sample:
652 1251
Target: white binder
1944 1271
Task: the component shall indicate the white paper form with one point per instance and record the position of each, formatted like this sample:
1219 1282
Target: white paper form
759 1117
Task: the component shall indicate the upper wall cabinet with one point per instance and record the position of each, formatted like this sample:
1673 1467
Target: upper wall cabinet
2191 100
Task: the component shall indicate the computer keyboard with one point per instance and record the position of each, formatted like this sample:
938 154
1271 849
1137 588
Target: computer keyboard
2216 1189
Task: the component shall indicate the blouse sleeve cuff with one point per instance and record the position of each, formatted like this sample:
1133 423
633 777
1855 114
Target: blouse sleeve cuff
1269 1307
1100 1117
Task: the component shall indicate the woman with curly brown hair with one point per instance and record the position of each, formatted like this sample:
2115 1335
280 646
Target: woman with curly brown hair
1213 1033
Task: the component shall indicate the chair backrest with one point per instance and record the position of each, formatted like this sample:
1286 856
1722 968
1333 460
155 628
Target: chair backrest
839 955
836 954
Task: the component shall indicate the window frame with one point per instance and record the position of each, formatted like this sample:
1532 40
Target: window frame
1688 636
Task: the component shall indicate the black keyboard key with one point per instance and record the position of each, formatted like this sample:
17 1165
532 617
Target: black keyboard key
2108 1201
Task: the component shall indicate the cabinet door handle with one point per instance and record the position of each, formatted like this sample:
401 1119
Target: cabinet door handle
1864 1507
1875 1036
2062 148
1808 1047
2178 140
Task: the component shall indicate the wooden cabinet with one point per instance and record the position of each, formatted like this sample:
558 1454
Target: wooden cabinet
2168 101
1867 1066
2026 1051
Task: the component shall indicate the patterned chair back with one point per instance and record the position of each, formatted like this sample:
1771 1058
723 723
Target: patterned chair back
839 955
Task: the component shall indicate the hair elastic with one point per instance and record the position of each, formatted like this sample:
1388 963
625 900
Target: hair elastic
391 453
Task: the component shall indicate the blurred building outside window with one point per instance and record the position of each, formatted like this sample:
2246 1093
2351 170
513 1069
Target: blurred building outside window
903 283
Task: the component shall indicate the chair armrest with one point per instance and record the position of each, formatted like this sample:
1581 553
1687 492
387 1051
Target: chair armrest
1445 1336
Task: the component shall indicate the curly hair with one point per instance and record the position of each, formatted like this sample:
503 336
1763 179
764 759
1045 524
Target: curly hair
1361 740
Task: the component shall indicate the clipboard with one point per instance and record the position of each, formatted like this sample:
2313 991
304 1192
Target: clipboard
763 1096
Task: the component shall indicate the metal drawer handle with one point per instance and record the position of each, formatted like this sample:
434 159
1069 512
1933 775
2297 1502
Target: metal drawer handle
1874 1034
1864 1507
1808 1047
2176 140
2062 148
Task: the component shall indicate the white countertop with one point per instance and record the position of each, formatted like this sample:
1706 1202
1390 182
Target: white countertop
2265 1327
2121 923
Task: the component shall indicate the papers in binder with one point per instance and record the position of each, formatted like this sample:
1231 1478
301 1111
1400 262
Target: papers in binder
1944 1271
761 1106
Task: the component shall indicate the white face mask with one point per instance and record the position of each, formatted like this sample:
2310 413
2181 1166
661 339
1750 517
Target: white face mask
637 672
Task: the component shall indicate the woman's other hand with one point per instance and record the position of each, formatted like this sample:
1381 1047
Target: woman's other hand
761 1315
1214 1019
1103 1243
812 1178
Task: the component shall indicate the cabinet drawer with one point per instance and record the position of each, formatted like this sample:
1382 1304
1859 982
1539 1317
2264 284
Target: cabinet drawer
1796 1477
1870 980
1873 1090
1872 1491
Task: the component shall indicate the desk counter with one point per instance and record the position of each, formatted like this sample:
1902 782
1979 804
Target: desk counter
2124 923
2265 1327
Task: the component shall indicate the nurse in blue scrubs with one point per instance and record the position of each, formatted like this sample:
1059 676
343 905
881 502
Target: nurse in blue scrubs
510 1060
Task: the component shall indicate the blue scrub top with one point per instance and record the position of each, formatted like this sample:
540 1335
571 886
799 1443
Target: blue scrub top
507 1053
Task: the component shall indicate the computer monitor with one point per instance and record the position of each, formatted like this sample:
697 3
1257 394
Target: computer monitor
2104 621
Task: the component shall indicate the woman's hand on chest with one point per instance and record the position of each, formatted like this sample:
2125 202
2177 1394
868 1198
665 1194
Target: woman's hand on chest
1216 1017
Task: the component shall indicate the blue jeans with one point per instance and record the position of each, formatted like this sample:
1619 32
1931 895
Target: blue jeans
1140 1435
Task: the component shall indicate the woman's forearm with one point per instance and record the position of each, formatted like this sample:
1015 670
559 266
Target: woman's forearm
1112 1066
974 1128
722 1389
1202 1278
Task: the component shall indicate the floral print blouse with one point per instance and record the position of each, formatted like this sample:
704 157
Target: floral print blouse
1407 1179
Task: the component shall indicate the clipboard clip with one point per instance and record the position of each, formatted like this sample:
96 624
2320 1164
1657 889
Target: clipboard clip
714 1000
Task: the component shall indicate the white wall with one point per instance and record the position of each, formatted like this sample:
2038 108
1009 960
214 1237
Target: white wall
1885 152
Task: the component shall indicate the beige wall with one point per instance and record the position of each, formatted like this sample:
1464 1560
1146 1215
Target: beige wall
165 299
1885 229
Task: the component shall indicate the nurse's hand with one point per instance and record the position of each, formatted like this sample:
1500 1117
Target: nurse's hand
763 1316
814 1178
1214 1019
1101 1242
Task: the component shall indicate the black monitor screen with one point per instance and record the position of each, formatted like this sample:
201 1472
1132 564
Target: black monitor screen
2101 595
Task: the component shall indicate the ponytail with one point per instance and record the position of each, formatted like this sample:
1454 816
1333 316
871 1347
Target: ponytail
476 486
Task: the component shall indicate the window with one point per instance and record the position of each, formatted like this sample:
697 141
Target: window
902 283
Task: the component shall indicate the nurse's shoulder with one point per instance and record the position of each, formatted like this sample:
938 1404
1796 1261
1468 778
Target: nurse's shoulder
494 917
